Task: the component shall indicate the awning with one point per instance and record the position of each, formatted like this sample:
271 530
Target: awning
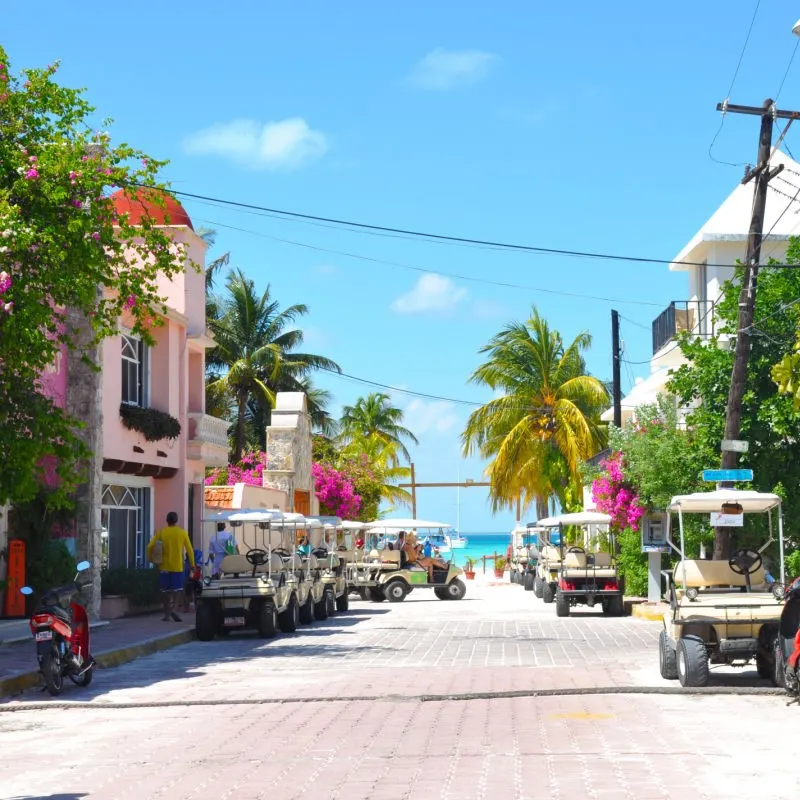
708 502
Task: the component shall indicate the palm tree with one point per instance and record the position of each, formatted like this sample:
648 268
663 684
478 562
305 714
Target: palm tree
547 420
373 417
254 350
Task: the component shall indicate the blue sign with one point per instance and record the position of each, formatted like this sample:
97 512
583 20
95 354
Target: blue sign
721 475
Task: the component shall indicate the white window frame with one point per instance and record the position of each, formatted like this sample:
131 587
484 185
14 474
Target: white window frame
142 362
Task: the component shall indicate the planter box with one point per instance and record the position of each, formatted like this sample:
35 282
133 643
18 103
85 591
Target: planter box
470 576
116 606
499 573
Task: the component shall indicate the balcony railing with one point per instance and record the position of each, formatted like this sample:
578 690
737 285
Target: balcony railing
208 429
693 316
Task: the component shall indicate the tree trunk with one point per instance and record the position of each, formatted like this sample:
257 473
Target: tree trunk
238 439
722 544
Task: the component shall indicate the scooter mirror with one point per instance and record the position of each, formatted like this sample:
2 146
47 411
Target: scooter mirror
83 565
26 590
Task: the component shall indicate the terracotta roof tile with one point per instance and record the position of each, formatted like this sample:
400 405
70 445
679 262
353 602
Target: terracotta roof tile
219 496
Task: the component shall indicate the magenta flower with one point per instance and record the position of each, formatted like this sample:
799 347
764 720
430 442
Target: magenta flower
32 174
8 307
5 282
131 301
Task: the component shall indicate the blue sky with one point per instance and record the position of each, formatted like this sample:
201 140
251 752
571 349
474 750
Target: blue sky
577 125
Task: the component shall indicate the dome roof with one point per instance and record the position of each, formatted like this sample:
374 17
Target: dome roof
141 204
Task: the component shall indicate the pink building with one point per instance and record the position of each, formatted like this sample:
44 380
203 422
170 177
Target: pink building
143 480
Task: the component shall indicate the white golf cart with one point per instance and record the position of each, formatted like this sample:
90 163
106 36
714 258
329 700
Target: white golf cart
384 575
587 573
336 557
524 555
721 612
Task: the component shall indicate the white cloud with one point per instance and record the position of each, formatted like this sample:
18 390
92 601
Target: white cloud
429 416
445 69
287 144
431 292
326 270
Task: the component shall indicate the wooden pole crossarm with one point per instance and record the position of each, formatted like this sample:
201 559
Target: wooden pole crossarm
417 485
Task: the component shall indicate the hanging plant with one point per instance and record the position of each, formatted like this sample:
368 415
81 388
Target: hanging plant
153 424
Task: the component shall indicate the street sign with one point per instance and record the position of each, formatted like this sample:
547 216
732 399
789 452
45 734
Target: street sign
735 445
722 475
719 520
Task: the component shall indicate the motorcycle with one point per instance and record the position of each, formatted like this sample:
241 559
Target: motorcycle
60 628
787 642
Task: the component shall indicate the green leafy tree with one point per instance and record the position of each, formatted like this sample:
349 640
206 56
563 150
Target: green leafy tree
68 264
546 421
255 354
770 422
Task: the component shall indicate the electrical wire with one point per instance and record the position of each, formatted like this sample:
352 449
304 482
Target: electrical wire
788 67
428 270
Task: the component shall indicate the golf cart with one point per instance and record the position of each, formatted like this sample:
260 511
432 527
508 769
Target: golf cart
545 575
721 611
524 555
383 577
301 537
587 574
254 589
334 556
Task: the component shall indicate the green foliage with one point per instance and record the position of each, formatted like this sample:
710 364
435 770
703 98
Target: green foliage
792 564
368 481
769 420
373 420
70 265
153 424
632 563
139 586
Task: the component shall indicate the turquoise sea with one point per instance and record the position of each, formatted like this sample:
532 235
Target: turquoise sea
482 544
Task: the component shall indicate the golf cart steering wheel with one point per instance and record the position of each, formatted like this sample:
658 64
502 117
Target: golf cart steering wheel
256 557
745 562
576 550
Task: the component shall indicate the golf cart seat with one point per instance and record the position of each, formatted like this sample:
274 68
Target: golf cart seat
233 564
602 559
551 554
702 573
575 560
390 557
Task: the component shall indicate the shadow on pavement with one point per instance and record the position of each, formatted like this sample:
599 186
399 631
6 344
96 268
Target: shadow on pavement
68 796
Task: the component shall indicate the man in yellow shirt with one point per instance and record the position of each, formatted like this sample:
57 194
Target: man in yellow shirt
174 541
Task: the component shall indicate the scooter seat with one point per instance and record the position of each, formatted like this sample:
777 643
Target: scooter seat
64 614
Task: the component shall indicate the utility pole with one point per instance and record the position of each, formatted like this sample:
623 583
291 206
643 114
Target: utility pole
762 174
413 493
615 355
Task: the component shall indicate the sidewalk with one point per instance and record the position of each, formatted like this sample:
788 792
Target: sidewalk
114 642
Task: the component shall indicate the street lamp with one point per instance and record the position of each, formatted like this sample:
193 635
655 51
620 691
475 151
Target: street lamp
796 28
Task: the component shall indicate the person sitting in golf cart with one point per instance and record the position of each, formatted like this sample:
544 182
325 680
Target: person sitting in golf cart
421 558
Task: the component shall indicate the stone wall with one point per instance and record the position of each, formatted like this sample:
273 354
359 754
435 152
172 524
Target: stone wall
84 402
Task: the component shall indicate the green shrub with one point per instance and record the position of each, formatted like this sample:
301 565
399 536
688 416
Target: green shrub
792 564
632 563
139 586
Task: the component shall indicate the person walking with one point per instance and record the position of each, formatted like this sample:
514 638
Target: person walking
174 541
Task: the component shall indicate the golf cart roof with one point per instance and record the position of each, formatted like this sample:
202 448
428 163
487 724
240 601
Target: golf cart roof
277 519
405 524
707 502
225 514
353 525
576 518
327 522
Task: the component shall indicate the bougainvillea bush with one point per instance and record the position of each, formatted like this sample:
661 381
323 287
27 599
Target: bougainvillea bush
68 265
335 492
615 496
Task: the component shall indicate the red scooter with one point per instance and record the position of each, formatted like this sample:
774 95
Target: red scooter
61 630
787 644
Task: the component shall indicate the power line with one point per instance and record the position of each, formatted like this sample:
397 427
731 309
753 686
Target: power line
427 270
439 237
788 67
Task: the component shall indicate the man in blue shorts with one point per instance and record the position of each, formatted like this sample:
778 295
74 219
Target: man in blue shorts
174 542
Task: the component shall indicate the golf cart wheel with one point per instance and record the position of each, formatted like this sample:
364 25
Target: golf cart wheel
375 594
538 586
548 593
441 593
513 576
692 661
307 611
330 602
343 602
395 590
667 658
527 582
205 622
562 605
321 608
456 589
763 665
614 605
266 621
288 618
778 675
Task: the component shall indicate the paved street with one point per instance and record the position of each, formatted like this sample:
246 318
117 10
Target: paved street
222 719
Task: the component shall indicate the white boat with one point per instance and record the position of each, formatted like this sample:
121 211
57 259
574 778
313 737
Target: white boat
457 541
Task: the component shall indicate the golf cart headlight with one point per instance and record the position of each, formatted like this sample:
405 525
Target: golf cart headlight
265 579
778 591
692 593
207 581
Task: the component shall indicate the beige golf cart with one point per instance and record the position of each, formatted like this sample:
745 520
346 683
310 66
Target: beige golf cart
721 612
255 589
336 557
545 576
301 537
587 573
524 555
383 576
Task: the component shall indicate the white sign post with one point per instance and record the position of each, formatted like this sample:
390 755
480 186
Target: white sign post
655 528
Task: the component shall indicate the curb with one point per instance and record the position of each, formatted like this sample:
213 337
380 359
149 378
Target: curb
648 611
28 638
115 657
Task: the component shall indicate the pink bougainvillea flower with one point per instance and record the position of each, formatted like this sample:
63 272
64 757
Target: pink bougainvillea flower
96 236
8 307
32 174
130 302
5 282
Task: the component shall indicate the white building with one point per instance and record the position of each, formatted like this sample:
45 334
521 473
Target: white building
708 259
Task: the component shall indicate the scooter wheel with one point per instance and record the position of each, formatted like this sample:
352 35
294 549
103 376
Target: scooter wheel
51 670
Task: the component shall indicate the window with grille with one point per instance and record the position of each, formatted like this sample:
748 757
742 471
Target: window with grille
134 371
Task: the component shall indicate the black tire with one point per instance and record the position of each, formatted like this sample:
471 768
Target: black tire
321 609
614 606
375 594
343 602
51 670
308 609
692 661
548 593
288 619
395 590
513 576
330 602
266 621
763 665
85 679
538 586
456 589
778 675
527 582
441 593
205 625
667 658
562 605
